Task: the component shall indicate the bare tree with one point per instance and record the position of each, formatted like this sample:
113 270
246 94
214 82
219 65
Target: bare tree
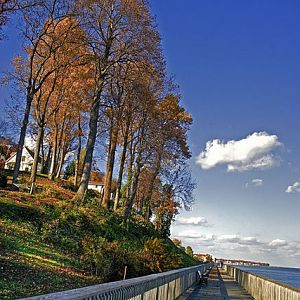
8 7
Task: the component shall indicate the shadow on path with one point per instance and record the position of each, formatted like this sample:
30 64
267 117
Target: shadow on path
220 287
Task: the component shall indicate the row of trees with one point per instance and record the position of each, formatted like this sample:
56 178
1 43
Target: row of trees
93 79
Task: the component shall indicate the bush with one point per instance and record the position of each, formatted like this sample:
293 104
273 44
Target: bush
3 180
68 185
70 169
91 197
104 259
159 258
66 230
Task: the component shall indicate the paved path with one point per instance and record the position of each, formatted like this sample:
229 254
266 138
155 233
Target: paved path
220 287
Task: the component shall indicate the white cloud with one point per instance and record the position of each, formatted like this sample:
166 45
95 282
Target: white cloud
249 240
252 152
238 246
255 182
230 238
191 234
234 238
278 243
201 221
294 188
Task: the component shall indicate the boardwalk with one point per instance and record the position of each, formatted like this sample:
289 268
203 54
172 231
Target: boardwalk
220 287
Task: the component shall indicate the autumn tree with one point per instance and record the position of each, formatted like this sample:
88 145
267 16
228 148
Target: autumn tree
114 113
169 147
166 211
120 31
177 242
145 93
70 100
57 91
189 251
33 73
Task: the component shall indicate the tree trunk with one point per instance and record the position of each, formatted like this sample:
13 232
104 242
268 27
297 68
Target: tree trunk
36 159
54 154
93 124
46 165
110 166
57 149
135 178
42 155
147 200
76 177
29 99
129 170
122 164
133 188
61 159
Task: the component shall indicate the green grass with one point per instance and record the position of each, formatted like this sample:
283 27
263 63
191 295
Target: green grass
47 244
29 266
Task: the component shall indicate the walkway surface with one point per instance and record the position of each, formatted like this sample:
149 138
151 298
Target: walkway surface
220 286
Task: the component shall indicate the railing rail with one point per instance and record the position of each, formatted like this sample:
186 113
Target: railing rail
168 285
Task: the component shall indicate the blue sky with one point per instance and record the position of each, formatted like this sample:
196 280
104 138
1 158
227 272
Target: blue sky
238 65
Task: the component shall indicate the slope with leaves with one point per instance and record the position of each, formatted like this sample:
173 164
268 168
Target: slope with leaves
47 244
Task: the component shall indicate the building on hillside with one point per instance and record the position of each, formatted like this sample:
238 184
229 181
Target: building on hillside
96 186
26 161
96 183
6 149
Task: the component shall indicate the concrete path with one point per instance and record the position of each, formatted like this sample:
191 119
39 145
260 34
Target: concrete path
220 287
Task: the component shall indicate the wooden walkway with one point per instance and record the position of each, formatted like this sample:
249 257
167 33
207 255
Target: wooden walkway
220 286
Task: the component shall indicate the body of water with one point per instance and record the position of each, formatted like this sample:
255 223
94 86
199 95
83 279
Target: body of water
290 276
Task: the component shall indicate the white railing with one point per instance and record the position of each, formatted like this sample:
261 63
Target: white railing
262 288
165 286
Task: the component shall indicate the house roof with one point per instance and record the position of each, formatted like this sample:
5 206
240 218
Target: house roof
96 183
31 153
11 156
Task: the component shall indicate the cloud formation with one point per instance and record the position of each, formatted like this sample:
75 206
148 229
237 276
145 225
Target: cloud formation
220 244
234 238
191 234
250 153
200 221
294 188
278 243
255 182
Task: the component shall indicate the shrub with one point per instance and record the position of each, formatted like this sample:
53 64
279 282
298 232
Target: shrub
91 197
66 230
103 258
3 180
68 185
159 258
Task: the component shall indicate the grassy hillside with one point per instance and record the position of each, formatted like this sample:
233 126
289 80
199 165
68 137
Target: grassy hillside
49 244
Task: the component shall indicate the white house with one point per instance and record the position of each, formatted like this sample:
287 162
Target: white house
26 160
96 186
